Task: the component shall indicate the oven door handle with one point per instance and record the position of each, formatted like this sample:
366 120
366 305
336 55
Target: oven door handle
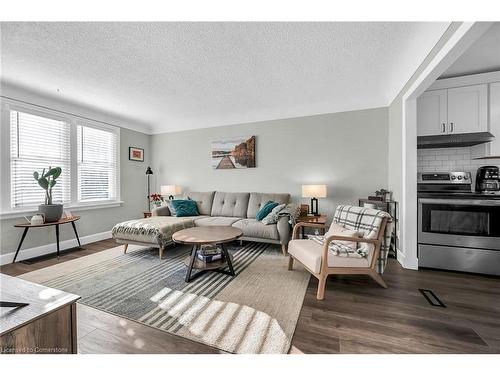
463 202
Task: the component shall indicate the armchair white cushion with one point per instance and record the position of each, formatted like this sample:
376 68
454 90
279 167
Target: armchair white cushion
309 253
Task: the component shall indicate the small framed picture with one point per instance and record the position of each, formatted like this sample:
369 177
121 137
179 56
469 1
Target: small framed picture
135 154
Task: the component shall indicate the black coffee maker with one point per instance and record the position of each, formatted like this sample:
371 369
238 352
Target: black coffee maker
487 180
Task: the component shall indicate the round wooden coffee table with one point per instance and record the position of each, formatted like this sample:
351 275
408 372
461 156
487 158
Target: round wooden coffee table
213 235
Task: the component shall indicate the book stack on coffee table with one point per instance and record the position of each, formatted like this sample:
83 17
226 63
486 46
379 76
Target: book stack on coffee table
209 253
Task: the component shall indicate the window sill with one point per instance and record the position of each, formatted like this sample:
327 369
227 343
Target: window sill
13 214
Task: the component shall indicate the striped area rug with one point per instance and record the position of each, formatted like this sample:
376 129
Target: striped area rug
254 312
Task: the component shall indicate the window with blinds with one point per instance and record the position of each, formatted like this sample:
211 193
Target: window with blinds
97 164
87 151
36 143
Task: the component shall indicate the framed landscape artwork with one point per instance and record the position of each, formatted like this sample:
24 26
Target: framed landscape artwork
136 154
234 153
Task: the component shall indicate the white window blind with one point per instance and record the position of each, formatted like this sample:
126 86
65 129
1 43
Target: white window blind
36 143
97 164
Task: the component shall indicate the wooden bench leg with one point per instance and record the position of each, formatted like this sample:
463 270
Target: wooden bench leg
283 249
125 247
161 252
375 276
290 263
321 287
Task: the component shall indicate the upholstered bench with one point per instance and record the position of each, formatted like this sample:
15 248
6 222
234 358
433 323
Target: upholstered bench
155 231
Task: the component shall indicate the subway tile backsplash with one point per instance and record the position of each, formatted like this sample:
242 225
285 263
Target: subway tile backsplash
455 159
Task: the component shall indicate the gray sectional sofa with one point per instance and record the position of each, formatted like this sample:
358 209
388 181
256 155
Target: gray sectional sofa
215 208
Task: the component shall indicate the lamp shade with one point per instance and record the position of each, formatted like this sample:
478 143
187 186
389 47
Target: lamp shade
167 190
313 191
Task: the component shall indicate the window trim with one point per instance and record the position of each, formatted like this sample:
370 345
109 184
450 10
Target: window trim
7 105
74 161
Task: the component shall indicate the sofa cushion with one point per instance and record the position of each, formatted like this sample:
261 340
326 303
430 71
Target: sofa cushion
257 200
163 210
256 229
203 199
309 254
230 204
215 220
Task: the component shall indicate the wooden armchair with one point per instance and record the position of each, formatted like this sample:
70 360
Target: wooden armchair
321 262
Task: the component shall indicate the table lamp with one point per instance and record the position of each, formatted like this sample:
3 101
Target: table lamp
314 192
170 190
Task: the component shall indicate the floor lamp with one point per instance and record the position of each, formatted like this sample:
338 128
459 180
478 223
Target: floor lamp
149 172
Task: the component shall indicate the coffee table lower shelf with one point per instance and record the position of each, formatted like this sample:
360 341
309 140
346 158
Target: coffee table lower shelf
210 235
202 267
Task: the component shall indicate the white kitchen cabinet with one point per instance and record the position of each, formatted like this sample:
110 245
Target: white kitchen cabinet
491 149
455 110
432 113
468 109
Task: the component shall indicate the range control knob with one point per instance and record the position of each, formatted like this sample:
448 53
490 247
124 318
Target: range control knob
466 177
459 177
453 177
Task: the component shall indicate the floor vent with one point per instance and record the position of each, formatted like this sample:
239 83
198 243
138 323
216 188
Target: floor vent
432 298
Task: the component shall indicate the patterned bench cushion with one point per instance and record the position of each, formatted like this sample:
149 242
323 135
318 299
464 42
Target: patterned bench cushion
156 230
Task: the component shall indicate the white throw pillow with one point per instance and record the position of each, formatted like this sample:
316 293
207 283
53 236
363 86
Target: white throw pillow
338 230
272 217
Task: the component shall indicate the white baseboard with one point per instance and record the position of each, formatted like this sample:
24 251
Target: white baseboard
405 263
52 248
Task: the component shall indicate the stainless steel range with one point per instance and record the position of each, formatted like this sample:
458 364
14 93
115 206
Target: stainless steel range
458 229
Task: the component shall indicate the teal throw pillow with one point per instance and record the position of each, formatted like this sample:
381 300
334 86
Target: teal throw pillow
184 207
265 210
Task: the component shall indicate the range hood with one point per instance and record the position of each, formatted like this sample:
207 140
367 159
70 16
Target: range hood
454 140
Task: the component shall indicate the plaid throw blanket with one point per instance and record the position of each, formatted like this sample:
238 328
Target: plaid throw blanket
366 221
340 249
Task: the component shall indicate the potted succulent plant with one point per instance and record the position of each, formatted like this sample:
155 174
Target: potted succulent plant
47 181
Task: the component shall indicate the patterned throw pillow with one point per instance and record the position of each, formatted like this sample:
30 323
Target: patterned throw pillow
265 210
273 216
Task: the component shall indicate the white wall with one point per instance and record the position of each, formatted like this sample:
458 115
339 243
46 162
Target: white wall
396 139
132 174
346 151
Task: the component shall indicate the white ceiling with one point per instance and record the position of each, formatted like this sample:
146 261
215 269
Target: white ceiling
177 76
482 57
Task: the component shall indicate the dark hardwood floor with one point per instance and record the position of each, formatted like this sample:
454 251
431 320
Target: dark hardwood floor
357 316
